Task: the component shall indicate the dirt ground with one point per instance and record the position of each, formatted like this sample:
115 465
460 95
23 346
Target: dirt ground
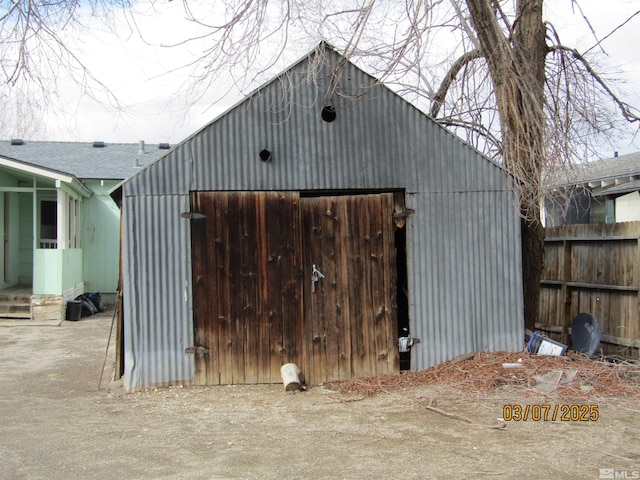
57 424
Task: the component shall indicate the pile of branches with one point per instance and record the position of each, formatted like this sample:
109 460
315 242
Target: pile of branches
485 372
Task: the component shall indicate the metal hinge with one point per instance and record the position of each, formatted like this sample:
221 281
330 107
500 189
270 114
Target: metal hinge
193 215
400 218
404 213
196 350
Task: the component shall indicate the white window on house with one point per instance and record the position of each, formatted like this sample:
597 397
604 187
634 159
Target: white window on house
59 222
48 237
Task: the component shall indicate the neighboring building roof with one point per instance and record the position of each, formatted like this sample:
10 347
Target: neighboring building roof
608 176
612 168
620 188
97 160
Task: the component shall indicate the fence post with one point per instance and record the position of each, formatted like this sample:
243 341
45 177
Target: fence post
637 282
566 291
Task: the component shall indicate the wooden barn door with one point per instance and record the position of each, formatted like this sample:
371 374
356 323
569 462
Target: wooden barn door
247 286
350 315
259 303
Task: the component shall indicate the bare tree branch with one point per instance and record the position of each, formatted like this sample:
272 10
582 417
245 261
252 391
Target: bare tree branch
531 102
35 53
612 32
450 76
625 109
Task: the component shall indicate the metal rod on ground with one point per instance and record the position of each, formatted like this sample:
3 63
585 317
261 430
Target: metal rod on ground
106 353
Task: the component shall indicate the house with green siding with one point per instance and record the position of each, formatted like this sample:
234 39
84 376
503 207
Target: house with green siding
60 225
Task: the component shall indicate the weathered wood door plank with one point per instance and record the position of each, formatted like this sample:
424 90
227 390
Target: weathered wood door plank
256 306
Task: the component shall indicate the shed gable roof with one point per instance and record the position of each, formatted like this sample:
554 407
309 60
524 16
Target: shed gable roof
378 140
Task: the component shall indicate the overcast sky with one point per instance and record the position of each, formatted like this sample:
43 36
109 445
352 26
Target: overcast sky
136 73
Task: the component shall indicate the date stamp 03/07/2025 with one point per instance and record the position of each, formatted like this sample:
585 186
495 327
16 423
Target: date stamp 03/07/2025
550 413
564 413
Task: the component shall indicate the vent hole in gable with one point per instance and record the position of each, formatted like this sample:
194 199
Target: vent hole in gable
328 113
265 155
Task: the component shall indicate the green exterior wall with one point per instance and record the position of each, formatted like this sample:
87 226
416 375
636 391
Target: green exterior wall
60 271
25 240
13 237
10 207
57 272
18 257
100 239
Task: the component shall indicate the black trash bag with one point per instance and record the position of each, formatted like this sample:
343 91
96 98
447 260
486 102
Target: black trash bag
88 308
96 299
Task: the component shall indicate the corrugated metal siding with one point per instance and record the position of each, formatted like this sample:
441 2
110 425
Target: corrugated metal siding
377 141
464 279
157 294
463 240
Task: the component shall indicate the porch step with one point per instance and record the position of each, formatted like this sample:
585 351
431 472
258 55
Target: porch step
15 305
16 315
15 309
19 322
21 298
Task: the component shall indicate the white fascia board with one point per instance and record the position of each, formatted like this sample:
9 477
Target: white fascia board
35 170
71 181
74 188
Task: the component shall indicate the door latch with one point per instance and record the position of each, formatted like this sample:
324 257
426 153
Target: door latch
315 276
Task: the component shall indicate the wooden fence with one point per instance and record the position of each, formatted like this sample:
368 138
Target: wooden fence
593 269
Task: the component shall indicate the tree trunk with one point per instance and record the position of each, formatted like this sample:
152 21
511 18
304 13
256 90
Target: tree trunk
516 62
530 49
532 262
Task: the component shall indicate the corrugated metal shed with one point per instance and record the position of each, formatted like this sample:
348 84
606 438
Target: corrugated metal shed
463 241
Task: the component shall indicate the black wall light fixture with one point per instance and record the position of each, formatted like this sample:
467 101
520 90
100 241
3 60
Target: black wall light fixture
265 155
328 113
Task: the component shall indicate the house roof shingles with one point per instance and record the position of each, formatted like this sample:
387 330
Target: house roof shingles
608 176
611 168
114 161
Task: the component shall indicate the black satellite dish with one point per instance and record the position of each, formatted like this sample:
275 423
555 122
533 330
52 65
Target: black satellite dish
585 334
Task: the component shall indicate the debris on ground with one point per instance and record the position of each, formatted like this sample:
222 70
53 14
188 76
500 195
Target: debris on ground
571 376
